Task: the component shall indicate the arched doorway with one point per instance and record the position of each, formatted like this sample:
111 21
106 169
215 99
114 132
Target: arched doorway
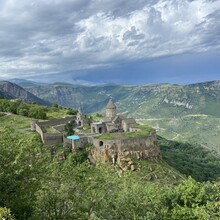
100 130
101 143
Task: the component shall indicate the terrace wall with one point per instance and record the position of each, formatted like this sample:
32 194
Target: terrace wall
54 122
140 148
51 139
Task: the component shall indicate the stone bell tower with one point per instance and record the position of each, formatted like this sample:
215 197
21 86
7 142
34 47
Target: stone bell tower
80 118
111 109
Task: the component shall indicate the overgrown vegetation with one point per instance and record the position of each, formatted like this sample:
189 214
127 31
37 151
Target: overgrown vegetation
144 131
35 184
69 128
191 159
33 110
47 188
25 109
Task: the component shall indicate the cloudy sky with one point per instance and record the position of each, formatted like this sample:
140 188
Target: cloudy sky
110 41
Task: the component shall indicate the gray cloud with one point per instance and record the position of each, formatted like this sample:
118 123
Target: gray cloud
46 37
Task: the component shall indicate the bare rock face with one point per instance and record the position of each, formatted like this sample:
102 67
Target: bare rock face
12 91
121 150
126 164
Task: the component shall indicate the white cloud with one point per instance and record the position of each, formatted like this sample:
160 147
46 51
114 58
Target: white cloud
63 35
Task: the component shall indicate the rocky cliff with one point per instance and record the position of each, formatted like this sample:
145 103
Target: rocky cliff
10 90
116 150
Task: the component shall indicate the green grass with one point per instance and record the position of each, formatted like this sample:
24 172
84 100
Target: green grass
109 136
138 134
158 172
50 130
2 114
202 130
17 124
96 118
15 121
53 113
144 132
86 129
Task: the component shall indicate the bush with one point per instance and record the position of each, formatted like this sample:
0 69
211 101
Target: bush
71 111
37 112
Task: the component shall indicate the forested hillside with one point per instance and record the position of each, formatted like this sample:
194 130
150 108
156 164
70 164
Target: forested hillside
13 91
186 113
166 100
36 184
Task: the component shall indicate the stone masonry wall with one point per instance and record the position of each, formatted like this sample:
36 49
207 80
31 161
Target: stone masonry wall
39 130
113 150
50 139
54 122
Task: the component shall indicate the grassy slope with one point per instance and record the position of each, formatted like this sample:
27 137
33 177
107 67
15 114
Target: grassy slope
144 131
146 103
196 160
160 172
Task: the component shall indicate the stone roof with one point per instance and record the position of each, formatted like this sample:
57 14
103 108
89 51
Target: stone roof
80 111
118 117
110 105
129 120
106 119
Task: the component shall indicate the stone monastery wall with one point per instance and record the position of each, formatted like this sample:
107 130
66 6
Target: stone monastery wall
113 150
39 130
50 139
54 122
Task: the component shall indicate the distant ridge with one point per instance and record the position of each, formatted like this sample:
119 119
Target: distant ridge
26 83
142 101
10 90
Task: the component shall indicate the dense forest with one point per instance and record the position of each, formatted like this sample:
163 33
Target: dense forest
30 109
36 183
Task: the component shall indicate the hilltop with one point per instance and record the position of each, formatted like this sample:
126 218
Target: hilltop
168 100
10 90
47 185
187 113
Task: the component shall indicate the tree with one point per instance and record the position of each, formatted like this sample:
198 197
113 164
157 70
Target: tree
37 112
23 109
69 128
194 200
71 111
55 105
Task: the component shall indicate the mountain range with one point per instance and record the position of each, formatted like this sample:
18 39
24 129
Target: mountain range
11 90
166 100
189 113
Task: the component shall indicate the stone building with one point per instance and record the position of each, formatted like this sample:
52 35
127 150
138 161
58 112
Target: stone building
81 118
112 122
111 149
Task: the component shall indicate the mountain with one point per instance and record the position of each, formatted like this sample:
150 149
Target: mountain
178 112
10 90
26 83
166 100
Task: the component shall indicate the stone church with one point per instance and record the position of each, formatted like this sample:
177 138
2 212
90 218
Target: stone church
112 122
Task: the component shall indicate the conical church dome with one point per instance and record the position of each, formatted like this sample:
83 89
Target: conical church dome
110 109
111 105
